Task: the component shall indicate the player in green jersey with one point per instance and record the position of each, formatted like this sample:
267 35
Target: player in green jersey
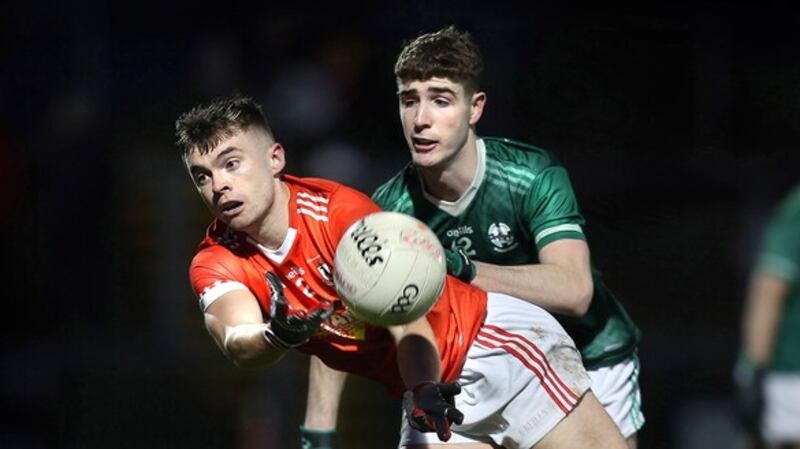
768 371
507 212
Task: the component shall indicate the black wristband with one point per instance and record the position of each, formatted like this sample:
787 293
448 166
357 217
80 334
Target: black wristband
318 438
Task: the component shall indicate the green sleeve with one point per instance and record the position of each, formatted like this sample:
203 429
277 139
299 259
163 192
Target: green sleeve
780 246
551 208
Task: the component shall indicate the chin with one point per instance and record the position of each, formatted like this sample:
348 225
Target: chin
235 223
425 160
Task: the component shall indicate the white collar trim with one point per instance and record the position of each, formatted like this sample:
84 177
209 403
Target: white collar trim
280 254
457 207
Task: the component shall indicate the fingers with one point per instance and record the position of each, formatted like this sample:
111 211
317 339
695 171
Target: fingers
442 427
450 389
442 423
420 422
454 415
277 300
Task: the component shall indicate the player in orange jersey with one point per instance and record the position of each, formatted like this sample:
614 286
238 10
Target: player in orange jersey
263 278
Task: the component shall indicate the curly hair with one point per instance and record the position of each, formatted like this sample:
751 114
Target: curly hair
447 53
205 126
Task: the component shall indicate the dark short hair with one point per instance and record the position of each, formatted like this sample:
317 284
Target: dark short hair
447 53
205 126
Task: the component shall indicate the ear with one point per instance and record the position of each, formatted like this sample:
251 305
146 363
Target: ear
277 156
476 107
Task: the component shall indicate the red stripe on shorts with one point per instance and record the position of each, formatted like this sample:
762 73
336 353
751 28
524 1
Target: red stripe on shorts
526 343
539 365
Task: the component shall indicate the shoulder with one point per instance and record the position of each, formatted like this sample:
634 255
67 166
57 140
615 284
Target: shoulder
396 188
217 270
318 187
323 190
513 153
328 208
221 252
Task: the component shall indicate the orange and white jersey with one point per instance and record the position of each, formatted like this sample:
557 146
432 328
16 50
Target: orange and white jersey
320 211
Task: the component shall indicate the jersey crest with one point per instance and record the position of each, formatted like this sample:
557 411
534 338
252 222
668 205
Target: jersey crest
501 236
323 269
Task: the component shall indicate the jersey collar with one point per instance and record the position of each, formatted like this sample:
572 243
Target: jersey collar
457 207
278 255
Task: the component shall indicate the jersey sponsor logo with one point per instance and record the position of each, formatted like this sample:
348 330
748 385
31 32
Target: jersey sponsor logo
295 275
501 237
460 239
459 231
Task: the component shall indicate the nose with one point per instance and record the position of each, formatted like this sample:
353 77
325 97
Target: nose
220 183
421 117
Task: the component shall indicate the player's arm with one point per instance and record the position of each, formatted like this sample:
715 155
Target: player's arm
235 322
560 283
766 297
325 387
765 302
428 403
417 353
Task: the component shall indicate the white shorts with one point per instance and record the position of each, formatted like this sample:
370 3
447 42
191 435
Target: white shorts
781 422
617 388
521 377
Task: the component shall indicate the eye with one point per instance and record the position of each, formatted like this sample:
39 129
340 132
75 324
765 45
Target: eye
441 101
232 164
201 179
408 102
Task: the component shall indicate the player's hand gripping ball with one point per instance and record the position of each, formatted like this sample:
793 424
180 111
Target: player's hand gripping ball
389 268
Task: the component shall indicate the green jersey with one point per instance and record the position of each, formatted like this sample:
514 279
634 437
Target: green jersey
519 201
780 256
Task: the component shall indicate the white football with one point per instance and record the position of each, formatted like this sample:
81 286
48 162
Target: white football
389 268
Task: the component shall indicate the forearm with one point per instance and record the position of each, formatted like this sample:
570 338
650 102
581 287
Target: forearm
245 346
765 301
417 353
555 288
325 387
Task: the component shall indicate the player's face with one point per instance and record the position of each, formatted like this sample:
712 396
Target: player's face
437 115
238 178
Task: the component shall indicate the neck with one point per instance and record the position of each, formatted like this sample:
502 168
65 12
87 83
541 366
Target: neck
275 224
451 179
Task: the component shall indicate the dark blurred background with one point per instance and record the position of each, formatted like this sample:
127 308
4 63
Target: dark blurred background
678 122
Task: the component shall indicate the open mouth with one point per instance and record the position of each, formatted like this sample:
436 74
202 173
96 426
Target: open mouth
231 208
421 144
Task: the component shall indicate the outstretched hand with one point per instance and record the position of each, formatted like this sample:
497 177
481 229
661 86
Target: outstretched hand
430 407
286 329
